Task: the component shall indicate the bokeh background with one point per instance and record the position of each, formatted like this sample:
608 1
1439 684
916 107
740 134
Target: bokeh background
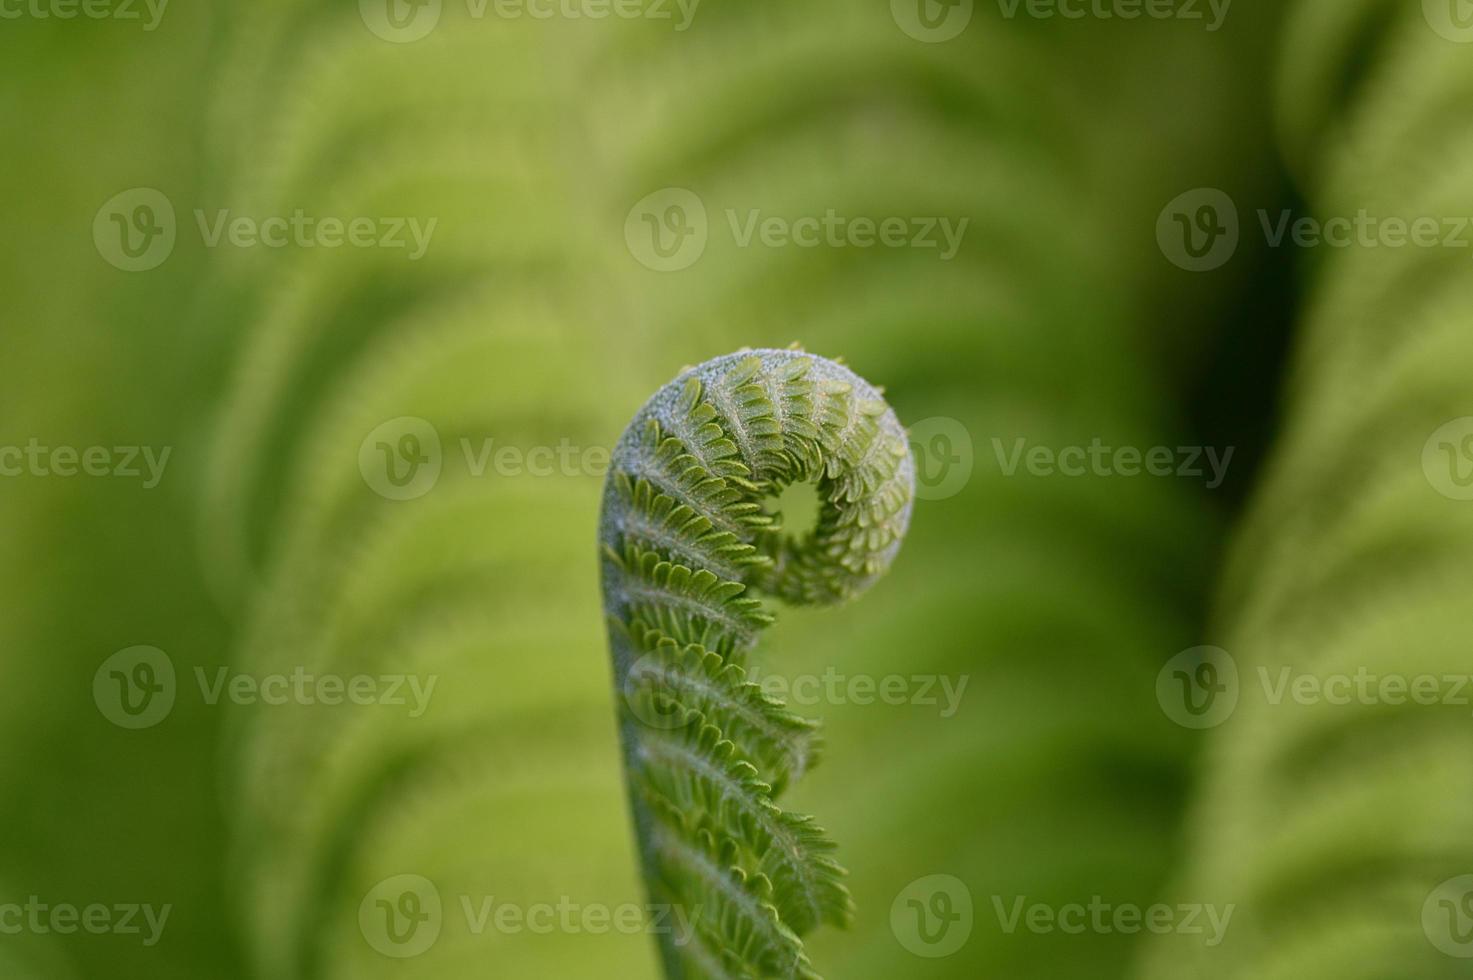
1077 307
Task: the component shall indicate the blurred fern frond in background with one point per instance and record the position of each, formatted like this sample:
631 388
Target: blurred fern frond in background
1332 825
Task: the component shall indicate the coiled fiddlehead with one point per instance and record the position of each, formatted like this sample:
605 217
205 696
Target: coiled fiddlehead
685 537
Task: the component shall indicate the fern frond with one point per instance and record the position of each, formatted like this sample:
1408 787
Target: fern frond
685 537
1332 824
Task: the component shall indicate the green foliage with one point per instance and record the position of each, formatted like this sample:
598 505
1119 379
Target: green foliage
1332 825
1057 319
685 538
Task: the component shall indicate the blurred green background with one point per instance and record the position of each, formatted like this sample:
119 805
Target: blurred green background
535 317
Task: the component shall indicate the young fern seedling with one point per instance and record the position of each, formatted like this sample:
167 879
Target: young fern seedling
686 541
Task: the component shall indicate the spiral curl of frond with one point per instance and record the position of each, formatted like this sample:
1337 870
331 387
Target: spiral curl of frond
687 540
